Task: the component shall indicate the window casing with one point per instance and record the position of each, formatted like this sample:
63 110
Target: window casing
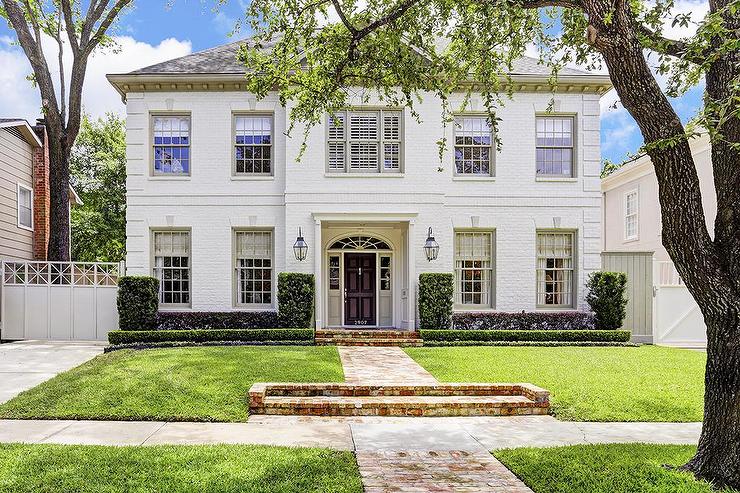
365 141
254 268
473 146
171 145
25 207
555 154
474 269
631 218
171 251
253 140
555 269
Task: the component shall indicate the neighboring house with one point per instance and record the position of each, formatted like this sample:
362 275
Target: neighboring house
632 220
216 196
24 190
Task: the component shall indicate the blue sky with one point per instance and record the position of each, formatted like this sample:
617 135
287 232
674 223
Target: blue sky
156 30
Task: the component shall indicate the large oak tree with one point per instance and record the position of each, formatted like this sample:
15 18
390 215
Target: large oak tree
405 48
80 27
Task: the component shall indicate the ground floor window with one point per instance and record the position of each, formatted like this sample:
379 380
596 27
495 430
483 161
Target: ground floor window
555 266
172 266
474 269
253 267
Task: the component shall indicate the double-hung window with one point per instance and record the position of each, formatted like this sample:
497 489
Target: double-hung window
171 142
25 207
172 266
631 223
473 146
253 258
474 269
253 145
555 149
361 141
555 267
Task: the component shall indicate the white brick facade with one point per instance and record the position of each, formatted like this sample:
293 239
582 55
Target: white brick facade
211 203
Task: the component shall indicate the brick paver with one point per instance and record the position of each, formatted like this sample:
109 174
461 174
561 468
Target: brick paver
436 471
381 366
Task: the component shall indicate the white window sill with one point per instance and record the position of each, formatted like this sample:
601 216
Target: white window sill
482 178
364 175
631 240
175 308
556 309
472 309
256 308
568 179
169 178
252 178
25 227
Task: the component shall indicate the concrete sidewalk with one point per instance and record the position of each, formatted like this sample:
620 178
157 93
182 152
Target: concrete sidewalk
472 434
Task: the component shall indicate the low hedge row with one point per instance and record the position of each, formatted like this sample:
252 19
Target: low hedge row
160 345
527 335
528 344
145 336
216 320
570 320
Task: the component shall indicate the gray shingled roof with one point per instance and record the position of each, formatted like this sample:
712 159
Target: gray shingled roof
222 60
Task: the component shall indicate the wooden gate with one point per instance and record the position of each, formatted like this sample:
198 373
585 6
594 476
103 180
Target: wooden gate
638 266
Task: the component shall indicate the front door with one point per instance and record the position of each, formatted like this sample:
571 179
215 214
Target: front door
359 289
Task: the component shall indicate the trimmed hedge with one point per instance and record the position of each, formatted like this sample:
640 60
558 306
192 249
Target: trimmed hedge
147 336
295 299
138 302
606 298
570 320
527 335
163 345
527 344
435 300
216 320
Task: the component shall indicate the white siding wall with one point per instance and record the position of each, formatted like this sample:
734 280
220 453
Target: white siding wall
211 203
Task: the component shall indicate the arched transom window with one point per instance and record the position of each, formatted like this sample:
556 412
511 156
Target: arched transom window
360 243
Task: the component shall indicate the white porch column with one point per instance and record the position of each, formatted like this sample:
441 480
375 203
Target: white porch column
411 255
317 256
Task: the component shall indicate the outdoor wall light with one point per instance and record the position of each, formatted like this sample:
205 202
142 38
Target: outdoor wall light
300 247
431 247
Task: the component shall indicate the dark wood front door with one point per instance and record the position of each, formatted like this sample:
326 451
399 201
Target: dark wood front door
359 289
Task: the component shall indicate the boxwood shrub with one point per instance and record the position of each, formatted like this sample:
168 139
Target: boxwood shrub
138 302
527 335
606 297
435 300
569 320
250 335
216 320
295 299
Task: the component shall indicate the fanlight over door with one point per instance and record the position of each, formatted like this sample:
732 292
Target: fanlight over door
359 243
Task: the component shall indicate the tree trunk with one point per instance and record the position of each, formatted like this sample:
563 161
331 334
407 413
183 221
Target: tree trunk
717 458
59 151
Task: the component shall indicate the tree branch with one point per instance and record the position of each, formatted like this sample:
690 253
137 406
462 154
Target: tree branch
105 24
69 26
344 18
671 47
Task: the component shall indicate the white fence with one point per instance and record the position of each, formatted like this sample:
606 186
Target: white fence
58 300
677 318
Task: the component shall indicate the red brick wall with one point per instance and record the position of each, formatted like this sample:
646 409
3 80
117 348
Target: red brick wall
41 197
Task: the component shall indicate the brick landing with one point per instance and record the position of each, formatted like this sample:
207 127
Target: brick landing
367 337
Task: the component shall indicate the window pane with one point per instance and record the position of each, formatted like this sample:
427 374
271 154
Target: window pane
555 264
473 268
171 144
554 153
473 139
254 267
172 266
253 144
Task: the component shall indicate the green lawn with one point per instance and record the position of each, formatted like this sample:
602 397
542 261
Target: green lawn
646 383
175 469
179 384
614 468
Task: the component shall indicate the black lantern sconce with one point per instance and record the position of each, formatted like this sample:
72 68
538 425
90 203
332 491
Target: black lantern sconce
431 247
300 247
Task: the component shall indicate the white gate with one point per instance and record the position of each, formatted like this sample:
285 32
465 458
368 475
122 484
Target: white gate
58 300
678 320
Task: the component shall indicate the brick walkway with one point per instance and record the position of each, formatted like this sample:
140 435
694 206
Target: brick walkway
410 469
381 366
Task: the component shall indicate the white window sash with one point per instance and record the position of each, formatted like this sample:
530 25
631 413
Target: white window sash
24 198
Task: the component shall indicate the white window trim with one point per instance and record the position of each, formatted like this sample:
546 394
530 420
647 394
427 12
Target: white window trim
490 176
153 173
235 271
574 271
21 186
636 215
574 148
245 175
381 141
491 305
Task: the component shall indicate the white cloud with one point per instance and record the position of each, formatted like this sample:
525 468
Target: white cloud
18 98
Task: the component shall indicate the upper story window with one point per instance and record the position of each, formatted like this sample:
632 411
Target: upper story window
172 266
631 215
474 269
555 267
365 141
473 151
171 145
253 145
25 207
555 146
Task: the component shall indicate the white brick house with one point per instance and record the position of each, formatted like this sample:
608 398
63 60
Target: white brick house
216 196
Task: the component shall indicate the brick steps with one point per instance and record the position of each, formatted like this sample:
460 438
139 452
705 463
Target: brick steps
367 337
398 400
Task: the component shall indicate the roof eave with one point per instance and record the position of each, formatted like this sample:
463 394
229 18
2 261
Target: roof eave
28 134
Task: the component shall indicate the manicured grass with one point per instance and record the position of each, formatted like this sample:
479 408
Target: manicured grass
179 384
614 468
646 383
175 469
